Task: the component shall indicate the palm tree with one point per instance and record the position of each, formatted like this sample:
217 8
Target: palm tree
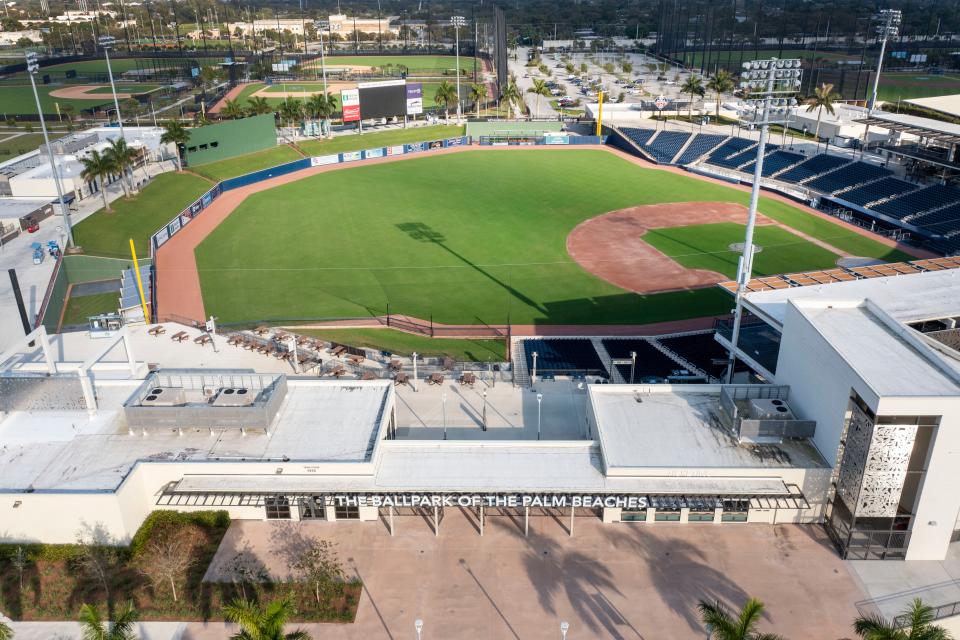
122 157
322 106
178 135
98 167
262 623
232 110
291 110
693 86
724 626
121 628
445 94
258 106
918 617
511 95
538 89
478 93
822 98
720 83
6 633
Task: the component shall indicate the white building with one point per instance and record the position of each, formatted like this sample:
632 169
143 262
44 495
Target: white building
859 429
11 38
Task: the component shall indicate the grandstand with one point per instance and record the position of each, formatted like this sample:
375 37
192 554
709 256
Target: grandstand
699 145
848 176
878 191
813 167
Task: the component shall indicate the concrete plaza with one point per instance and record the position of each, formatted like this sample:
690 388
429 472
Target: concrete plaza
608 581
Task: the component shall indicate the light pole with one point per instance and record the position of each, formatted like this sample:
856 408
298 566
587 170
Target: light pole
633 364
444 410
772 80
33 66
457 22
539 401
320 26
533 378
484 409
564 627
415 383
418 625
889 27
105 43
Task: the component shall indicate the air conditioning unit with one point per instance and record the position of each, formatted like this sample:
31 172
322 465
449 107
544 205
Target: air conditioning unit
769 409
163 397
234 397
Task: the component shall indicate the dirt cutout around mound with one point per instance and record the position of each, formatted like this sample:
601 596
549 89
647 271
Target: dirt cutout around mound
85 92
611 246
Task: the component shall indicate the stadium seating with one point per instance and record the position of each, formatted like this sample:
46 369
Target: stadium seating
778 161
853 174
700 350
729 148
770 150
701 144
880 190
564 356
650 360
811 168
638 136
737 159
666 145
940 221
918 201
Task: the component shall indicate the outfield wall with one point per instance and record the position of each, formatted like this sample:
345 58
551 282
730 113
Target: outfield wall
230 139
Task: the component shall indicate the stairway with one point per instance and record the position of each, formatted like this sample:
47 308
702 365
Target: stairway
686 364
521 377
612 374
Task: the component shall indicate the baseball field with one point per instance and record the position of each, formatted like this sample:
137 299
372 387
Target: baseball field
480 236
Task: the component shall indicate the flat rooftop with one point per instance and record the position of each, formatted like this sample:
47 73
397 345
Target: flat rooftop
319 421
678 426
19 207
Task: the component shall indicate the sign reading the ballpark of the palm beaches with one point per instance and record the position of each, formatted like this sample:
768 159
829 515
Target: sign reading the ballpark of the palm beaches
494 500
350 99
661 102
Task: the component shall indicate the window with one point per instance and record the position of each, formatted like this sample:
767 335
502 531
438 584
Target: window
278 508
191 149
666 515
344 512
735 510
629 515
700 516
312 508
203 147
214 144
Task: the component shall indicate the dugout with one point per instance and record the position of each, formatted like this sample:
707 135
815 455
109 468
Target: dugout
230 139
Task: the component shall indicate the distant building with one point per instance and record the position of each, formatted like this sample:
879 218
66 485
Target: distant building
343 24
10 38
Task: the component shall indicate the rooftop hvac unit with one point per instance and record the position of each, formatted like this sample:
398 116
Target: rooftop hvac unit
768 409
234 397
163 397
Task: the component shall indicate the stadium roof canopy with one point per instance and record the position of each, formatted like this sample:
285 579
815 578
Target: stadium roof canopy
942 132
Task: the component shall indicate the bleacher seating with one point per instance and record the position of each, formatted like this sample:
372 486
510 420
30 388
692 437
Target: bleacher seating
638 136
729 148
737 159
918 201
770 149
777 161
650 360
666 145
813 167
941 221
885 188
701 143
568 356
855 173
700 350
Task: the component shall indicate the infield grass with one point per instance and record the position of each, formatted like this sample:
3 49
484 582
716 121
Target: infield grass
473 237
906 86
707 246
107 234
404 344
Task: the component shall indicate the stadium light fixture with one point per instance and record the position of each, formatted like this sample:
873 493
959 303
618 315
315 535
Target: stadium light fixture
888 26
33 67
107 43
321 26
774 83
457 22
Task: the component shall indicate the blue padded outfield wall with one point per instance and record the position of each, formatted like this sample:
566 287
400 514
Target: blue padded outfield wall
184 217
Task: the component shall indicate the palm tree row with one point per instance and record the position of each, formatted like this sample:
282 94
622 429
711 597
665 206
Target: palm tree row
117 159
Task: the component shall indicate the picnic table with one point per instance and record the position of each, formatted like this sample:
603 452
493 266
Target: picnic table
180 336
235 340
401 378
435 378
395 365
202 339
339 351
368 375
157 330
352 359
302 340
262 330
338 371
468 378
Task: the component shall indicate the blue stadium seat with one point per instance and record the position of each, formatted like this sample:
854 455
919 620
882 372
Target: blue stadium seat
729 148
942 221
666 145
886 188
777 161
813 167
638 136
568 356
918 201
855 173
770 149
701 143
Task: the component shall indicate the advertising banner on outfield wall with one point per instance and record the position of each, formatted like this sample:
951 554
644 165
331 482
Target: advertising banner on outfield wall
350 156
414 98
374 153
318 161
395 151
350 99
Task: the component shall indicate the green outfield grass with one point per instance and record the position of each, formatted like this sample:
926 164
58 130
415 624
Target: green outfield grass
380 139
467 238
707 246
108 234
429 89
905 86
82 307
19 99
404 344
223 169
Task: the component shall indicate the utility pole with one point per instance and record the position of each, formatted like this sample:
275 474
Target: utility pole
772 81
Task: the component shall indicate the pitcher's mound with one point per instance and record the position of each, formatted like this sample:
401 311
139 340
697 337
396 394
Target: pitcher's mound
611 246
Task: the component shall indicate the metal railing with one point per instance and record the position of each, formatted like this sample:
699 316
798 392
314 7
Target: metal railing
939 613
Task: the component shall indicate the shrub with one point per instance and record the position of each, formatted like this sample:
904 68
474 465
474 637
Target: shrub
161 519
